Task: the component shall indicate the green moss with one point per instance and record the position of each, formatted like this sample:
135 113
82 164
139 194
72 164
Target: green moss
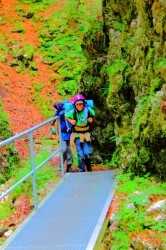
5 130
17 27
144 155
3 52
23 56
160 68
9 158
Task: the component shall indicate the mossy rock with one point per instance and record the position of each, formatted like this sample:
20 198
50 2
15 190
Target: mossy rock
128 85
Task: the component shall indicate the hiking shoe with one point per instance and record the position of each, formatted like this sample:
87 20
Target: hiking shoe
89 169
69 169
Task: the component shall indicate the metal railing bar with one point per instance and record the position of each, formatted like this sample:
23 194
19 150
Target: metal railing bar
17 184
34 171
28 175
13 138
49 158
34 168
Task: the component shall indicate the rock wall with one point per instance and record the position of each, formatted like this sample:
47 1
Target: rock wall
126 76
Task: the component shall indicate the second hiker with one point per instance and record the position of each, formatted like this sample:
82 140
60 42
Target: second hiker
65 134
81 117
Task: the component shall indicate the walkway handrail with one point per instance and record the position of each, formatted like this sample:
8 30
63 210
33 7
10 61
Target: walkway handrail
34 168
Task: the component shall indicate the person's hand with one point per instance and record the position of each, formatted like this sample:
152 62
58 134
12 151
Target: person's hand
90 119
57 137
54 137
73 122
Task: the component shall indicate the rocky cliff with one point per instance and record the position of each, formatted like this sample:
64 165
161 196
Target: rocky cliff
126 76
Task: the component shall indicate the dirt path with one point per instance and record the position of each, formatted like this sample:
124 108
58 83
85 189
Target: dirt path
15 91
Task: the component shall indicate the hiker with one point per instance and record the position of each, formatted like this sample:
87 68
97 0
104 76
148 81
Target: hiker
65 135
81 117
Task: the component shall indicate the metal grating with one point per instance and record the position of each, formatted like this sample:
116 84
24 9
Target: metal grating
70 218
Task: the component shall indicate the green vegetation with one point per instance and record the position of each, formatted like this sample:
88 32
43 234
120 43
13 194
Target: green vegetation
22 56
59 47
9 158
44 175
60 39
5 130
60 44
41 104
18 27
132 216
129 75
3 52
5 210
126 69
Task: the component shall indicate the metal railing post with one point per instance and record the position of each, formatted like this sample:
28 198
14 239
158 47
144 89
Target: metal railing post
34 168
61 152
34 171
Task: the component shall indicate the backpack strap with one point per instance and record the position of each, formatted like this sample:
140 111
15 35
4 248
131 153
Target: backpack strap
68 128
65 125
84 128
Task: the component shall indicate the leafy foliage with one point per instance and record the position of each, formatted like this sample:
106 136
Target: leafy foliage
43 175
60 45
132 217
5 210
10 159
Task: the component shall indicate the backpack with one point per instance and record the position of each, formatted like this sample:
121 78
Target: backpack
58 107
60 111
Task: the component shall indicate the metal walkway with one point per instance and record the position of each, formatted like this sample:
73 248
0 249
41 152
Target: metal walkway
70 218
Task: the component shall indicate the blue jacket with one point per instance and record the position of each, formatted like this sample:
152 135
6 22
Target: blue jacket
66 127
